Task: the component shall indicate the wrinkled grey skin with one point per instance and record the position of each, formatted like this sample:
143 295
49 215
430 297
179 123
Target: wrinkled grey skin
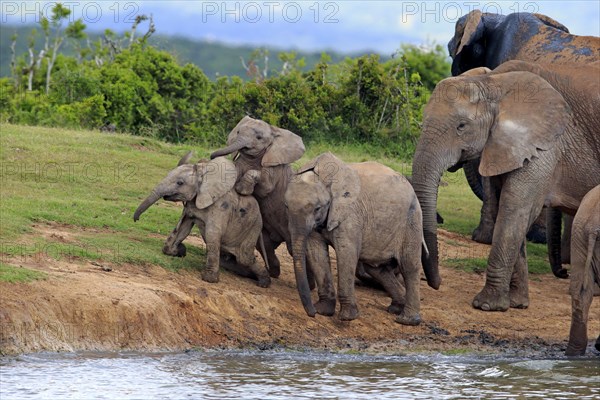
369 214
525 122
585 269
488 40
263 154
228 222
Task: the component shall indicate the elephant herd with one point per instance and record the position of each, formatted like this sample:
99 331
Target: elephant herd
523 108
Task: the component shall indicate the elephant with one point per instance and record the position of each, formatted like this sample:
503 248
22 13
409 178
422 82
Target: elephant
263 156
368 213
525 122
488 40
228 221
585 269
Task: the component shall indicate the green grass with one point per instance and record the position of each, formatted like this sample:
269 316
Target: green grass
89 184
12 274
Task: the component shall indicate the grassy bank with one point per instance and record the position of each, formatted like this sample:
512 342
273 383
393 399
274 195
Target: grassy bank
90 183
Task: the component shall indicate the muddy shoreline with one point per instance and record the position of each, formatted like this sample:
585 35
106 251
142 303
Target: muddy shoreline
85 306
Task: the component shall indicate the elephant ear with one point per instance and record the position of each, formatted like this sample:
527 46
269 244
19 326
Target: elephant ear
286 148
343 183
215 178
467 32
234 132
530 117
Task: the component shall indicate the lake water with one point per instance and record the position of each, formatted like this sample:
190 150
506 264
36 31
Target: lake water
293 375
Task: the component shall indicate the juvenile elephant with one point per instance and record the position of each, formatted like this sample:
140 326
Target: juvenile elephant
263 154
227 221
585 269
368 213
488 40
536 130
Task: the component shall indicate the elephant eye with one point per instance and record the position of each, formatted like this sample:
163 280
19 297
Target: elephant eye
317 209
179 182
259 137
461 126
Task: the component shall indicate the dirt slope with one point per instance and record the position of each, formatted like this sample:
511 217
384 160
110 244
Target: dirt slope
83 306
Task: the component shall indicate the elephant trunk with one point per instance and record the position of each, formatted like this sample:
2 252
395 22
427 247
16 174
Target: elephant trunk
299 255
237 145
427 172
151 199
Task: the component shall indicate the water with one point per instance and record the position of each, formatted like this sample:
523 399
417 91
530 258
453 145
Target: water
289 375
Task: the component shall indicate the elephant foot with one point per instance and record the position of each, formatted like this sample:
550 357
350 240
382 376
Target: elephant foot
180 251
483 234
395 308
325 307
348 312
210 276
264 281
561 273
574 351
274 269
519 301
410 320
597 344
491 300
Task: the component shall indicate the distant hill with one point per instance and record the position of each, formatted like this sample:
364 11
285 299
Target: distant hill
215 59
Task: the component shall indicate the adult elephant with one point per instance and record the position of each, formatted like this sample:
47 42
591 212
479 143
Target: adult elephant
526 122
488 40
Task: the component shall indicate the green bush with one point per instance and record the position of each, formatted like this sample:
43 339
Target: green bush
145 91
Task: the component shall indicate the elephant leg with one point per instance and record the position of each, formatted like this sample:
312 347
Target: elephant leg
317 256
173 245
586 267
516 213
410 269
519 282
489 211
347 259
565 243
212 238
553 228
247 259
385 276
270 256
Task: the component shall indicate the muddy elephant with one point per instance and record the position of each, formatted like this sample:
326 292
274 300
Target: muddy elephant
228 221
263 154
585 269
488 40
525 122
367 212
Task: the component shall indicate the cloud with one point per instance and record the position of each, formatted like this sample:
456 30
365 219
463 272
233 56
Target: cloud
312 25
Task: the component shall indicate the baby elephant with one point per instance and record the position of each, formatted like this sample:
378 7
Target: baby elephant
367 212
585 269
227 221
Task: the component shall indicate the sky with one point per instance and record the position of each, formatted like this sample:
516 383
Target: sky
344 25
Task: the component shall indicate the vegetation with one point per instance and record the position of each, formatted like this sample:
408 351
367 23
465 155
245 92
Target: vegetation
128 85
11 274
83 186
